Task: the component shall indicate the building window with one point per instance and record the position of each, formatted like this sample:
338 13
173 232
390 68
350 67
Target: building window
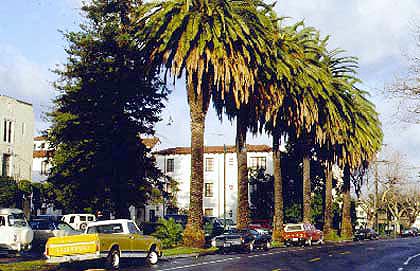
258 162
42 146
231 162
23 129
170 165
44 167
6 172
8 131
209 164
208 211
208 190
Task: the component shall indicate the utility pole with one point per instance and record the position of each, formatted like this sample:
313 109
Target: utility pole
224 186
376 196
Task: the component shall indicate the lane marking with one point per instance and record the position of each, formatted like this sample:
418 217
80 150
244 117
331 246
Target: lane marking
314 260
200 264
400 269
410 258
345 252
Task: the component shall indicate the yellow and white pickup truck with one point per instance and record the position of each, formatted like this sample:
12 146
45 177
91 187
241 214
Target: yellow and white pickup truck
110 240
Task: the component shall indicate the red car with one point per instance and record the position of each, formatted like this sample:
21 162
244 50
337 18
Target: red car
302 234
261 224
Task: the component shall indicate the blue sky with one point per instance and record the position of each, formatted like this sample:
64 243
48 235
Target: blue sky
379 32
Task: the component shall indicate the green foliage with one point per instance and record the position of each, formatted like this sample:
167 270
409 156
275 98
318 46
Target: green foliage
108 97
317 210
8 192
293 214
170 233
262 195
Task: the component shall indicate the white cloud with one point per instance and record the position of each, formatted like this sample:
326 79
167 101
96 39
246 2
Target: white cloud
22 79
373 30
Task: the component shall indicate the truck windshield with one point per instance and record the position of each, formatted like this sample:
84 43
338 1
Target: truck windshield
17 220
109 229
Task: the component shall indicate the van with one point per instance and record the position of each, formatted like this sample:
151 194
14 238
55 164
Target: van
16 234
79 221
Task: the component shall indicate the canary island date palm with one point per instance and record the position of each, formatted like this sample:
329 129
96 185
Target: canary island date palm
215 45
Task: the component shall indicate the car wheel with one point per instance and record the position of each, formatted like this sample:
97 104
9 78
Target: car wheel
310 242
250 247
267 246
152 258
83 226
113 260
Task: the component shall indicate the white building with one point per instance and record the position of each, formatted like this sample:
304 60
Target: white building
41 154
176 163
16 138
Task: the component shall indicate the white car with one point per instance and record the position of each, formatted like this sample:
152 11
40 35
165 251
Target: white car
16 234
78 221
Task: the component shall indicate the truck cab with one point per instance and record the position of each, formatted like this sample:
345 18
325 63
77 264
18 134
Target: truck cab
16 234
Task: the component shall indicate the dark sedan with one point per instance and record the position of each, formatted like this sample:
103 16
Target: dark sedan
44 229
365 234
242 240
411 232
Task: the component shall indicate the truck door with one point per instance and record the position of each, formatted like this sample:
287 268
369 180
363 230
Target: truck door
138 242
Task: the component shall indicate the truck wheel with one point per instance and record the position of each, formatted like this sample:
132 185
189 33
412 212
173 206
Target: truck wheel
152 258
113 260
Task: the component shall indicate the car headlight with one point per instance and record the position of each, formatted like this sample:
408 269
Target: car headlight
213 242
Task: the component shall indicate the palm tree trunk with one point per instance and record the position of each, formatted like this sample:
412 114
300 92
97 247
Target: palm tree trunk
242 214
194 234
346 228
278 191
328 199
307 210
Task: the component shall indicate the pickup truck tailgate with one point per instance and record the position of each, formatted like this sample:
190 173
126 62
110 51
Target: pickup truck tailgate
72 245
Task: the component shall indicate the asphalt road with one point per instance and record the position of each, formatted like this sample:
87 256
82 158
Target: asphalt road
379 255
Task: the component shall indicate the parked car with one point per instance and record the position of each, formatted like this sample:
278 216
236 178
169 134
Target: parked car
261 224
110 240
78 221
302 234
48 217
242 240
44 229
16 234
411 232
367 233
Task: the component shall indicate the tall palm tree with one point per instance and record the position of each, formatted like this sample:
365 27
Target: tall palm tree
218 49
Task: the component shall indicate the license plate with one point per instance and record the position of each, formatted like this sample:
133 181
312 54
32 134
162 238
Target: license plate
226 244
295 239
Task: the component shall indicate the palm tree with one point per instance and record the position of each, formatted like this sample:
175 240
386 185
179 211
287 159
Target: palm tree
218 49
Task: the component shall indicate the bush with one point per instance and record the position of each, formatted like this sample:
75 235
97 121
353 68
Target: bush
169 232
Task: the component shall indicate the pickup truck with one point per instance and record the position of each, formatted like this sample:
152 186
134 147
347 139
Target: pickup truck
108 240
302 234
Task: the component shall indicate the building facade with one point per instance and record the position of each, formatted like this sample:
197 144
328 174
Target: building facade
16 138
176 163
41 159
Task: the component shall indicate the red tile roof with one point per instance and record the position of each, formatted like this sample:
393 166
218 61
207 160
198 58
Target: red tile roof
213 149
40 138
42 154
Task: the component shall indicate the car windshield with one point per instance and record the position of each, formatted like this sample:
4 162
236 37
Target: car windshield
294 228
64 226
17 220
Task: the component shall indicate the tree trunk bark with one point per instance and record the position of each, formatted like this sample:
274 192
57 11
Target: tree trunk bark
242 214
346 228
328 199
278 191
307 210
194 234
